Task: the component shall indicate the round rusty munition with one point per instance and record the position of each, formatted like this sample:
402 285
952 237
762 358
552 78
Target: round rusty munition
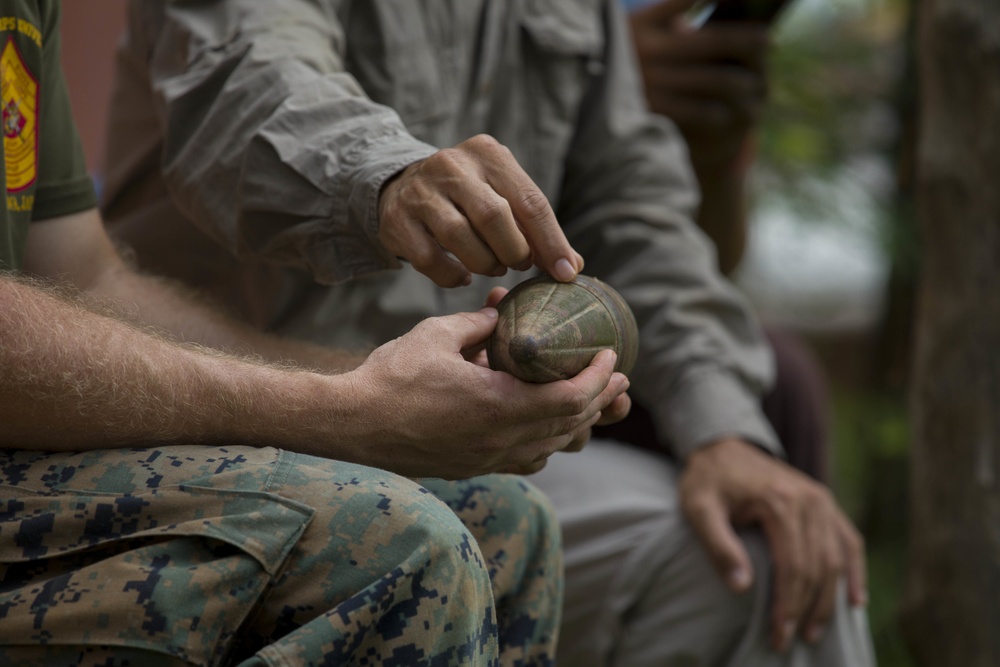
550 330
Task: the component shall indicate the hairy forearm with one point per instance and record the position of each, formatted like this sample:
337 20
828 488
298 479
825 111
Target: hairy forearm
75 251
73 380
186 316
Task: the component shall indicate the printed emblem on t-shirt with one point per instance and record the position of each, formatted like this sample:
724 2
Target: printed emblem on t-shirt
19 98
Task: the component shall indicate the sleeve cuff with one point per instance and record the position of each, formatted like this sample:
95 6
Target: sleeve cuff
365 170
709 405
56 200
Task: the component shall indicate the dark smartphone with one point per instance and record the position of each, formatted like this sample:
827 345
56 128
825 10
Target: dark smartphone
762 11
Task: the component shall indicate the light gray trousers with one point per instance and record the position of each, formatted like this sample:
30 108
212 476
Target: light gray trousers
640 589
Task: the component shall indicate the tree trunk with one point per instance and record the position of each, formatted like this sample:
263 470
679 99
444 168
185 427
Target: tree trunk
952 603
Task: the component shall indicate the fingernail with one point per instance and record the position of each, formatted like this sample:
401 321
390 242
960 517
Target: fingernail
739 579
564 271
489 312
579 262
815 634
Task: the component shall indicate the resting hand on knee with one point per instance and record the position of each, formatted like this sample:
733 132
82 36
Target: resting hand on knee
813 544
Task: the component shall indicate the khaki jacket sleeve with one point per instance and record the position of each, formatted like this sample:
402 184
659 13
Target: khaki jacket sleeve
269 145
627 205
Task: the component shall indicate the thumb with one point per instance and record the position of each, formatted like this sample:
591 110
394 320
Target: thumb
468 330
664 11
729 556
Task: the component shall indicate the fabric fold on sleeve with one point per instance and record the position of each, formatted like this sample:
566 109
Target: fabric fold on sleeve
293 178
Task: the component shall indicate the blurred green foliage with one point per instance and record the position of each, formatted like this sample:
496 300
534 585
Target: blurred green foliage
870 476
842 97
834 76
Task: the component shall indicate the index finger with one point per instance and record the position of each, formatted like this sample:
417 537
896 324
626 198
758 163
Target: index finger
550 249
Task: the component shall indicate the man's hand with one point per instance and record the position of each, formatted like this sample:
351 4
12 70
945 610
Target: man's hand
476 202
617 411
813 544
711 81
432 413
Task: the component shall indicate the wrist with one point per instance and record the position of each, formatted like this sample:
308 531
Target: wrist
725 448
715 448
262 405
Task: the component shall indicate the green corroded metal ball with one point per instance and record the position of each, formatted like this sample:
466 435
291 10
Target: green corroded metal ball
548 330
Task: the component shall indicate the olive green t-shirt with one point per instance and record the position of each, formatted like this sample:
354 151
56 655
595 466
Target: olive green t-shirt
43 166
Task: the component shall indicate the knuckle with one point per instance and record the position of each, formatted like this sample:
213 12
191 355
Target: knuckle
422 258
420 199
493 213
485 142
562 428
449 230
822 495
447 160
572 426
794 563
695 506
815 502
534 206
778 499
822 566
577 402
835 562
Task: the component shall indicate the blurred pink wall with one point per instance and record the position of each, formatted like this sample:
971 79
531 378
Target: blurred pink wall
90 31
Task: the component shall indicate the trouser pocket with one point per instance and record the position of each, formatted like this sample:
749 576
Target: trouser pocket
176 570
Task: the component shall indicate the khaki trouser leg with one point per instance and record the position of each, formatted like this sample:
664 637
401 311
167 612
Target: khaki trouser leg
640 590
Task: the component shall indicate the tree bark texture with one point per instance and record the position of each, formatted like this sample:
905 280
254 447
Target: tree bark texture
951 611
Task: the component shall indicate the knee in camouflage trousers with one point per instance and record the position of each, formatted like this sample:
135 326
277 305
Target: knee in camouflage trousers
255 556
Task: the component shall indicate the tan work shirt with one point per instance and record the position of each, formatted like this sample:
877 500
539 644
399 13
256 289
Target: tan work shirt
249 141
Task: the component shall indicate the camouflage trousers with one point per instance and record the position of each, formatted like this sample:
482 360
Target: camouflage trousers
255 556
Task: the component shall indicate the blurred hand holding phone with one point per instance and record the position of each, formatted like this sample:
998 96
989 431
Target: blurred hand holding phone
704 66
730 11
